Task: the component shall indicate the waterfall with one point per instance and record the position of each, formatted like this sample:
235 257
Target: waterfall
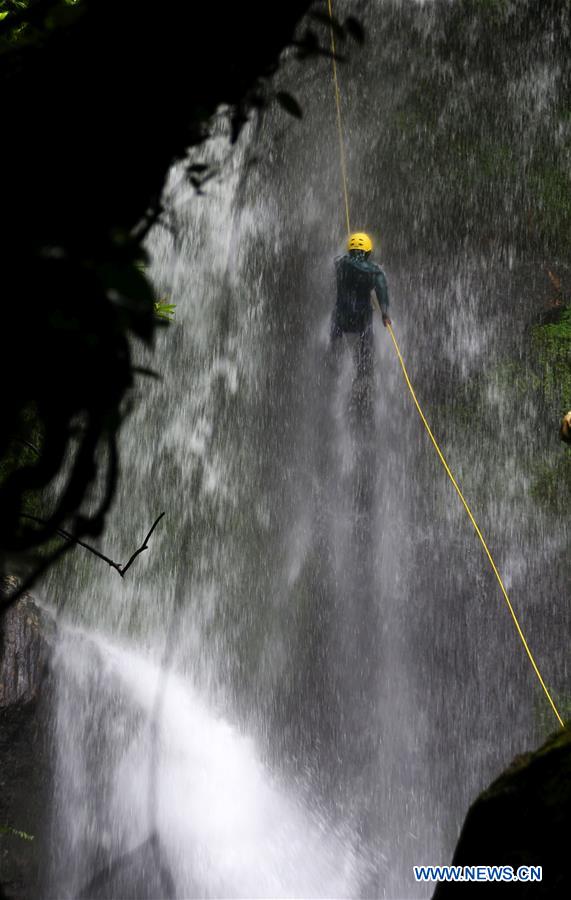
340 676
224 826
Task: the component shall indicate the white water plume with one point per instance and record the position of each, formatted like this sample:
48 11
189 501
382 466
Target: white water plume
174 767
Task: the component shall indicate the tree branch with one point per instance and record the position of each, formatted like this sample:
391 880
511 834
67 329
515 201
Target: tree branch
75 540
28 444
144 546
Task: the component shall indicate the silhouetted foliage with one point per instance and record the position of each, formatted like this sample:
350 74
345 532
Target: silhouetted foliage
98 100
289 103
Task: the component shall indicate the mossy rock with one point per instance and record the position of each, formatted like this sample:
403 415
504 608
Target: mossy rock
522 819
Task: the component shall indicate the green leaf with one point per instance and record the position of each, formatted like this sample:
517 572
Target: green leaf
330 22
128 281
164 310
354 28
143 370
7 829
290 104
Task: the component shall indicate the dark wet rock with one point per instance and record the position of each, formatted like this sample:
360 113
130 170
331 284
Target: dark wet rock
522 819
26 634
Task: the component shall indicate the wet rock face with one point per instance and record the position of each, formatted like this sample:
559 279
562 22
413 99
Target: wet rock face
24 648
26 633
522 819
565 430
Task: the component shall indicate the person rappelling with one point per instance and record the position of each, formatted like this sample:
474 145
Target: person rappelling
357 276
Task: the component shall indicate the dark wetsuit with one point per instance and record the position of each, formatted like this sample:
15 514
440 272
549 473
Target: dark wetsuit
353 313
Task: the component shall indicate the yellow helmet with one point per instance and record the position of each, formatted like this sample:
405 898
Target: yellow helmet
360 241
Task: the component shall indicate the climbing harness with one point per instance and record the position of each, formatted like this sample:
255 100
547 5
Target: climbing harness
415 399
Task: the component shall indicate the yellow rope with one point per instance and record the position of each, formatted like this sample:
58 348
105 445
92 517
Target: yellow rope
339 123
476 529
423 418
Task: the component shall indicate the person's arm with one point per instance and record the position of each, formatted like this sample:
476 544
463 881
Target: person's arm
382 292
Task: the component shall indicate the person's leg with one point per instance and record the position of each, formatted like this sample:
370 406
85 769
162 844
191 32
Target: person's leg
365 351
362 391
336 332
335 346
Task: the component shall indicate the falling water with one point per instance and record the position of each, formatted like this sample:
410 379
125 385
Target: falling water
223 826
300 687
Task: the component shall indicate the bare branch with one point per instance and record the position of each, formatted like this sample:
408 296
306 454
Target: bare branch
144 546
27 444
72 539
75 540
